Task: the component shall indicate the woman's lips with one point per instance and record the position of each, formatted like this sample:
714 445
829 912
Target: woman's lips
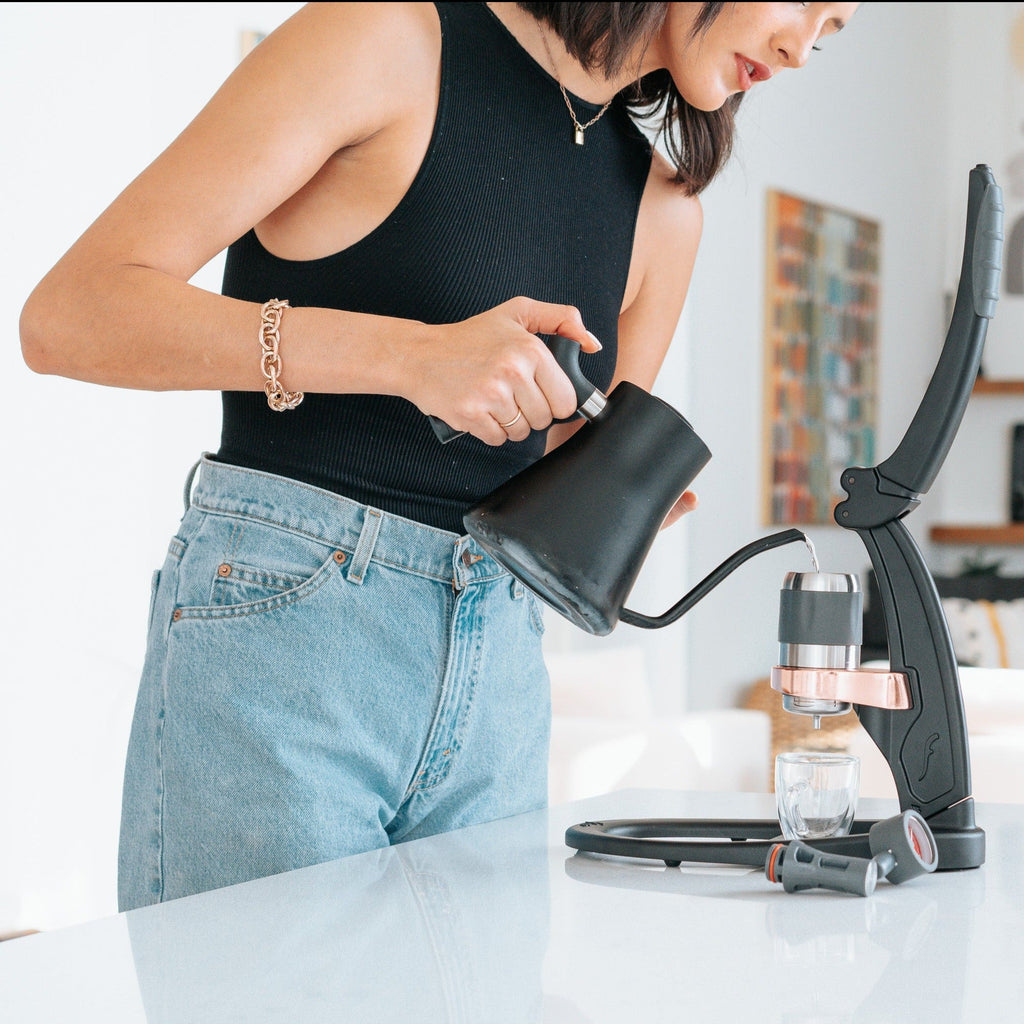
750 71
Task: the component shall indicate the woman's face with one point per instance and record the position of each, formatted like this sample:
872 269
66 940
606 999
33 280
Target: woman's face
747 43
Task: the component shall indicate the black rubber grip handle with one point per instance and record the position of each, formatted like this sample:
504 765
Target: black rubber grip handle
567 355
917 460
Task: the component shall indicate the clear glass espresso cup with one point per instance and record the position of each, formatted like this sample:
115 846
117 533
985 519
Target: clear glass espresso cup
816 794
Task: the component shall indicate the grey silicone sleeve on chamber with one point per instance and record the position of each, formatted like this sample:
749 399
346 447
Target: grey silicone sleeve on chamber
821 617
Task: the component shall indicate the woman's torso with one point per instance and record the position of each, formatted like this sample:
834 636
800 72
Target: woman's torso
503 203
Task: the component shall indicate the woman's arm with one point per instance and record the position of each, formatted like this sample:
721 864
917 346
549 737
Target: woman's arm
117 308
348 82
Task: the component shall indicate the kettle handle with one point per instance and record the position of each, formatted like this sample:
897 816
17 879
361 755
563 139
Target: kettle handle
589 400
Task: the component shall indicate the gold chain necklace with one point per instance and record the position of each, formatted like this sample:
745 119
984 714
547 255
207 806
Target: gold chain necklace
579 129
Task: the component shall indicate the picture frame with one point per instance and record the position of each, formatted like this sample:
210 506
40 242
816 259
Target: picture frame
822 275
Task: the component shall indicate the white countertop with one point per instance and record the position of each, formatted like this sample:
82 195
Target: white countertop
503 923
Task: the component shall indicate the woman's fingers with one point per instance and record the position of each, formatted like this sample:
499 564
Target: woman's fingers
556 391
493 377
686 503
552 318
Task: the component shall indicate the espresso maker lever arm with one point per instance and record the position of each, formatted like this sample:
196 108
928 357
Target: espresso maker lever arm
919 456
926 745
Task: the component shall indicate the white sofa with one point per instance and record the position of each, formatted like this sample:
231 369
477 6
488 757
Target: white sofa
985 616
994 709
606 735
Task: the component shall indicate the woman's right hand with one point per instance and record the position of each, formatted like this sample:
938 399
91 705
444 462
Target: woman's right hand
479 373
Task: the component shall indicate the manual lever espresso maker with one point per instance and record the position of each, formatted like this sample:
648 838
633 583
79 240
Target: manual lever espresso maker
575 527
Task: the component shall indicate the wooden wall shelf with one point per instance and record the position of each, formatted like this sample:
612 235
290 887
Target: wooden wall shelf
996 533
987 386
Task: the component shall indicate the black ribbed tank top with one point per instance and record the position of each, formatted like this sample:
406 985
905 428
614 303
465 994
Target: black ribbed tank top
504 204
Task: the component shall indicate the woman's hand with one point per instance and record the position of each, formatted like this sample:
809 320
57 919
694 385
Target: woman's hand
483 372
686 503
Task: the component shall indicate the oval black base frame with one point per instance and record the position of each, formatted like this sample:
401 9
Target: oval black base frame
743 841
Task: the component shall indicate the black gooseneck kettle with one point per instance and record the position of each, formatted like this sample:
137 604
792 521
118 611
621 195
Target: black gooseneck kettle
576 526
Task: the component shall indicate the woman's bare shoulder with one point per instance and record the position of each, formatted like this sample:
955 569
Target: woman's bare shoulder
394 27
391 50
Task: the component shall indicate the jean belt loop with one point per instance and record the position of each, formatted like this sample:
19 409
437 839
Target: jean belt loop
365 545
189 480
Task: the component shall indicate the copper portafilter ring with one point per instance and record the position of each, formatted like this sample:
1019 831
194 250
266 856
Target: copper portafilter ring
877 688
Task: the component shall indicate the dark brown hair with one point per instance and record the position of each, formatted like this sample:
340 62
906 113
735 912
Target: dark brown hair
604 36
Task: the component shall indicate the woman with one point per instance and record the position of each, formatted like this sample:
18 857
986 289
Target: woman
409 195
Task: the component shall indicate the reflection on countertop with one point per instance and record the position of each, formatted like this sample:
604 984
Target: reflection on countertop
502 923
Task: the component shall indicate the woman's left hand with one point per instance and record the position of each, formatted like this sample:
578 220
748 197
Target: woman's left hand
686 503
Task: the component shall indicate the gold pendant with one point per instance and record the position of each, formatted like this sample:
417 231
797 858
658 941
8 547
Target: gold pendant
579 136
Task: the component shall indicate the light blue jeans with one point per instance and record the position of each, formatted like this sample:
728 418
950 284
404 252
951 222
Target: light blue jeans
321 679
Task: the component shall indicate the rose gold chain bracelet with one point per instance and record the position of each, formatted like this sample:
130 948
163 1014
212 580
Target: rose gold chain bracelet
270 338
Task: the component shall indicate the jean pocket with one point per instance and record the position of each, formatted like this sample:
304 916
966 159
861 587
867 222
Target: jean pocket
238 583
233 566
306 588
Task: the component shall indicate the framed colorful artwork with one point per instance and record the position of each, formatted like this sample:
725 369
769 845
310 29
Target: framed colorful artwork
821 329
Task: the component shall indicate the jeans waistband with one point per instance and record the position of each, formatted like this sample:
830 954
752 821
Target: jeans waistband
361 530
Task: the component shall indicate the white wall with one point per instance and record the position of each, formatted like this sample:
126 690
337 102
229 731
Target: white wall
90 93
93 476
